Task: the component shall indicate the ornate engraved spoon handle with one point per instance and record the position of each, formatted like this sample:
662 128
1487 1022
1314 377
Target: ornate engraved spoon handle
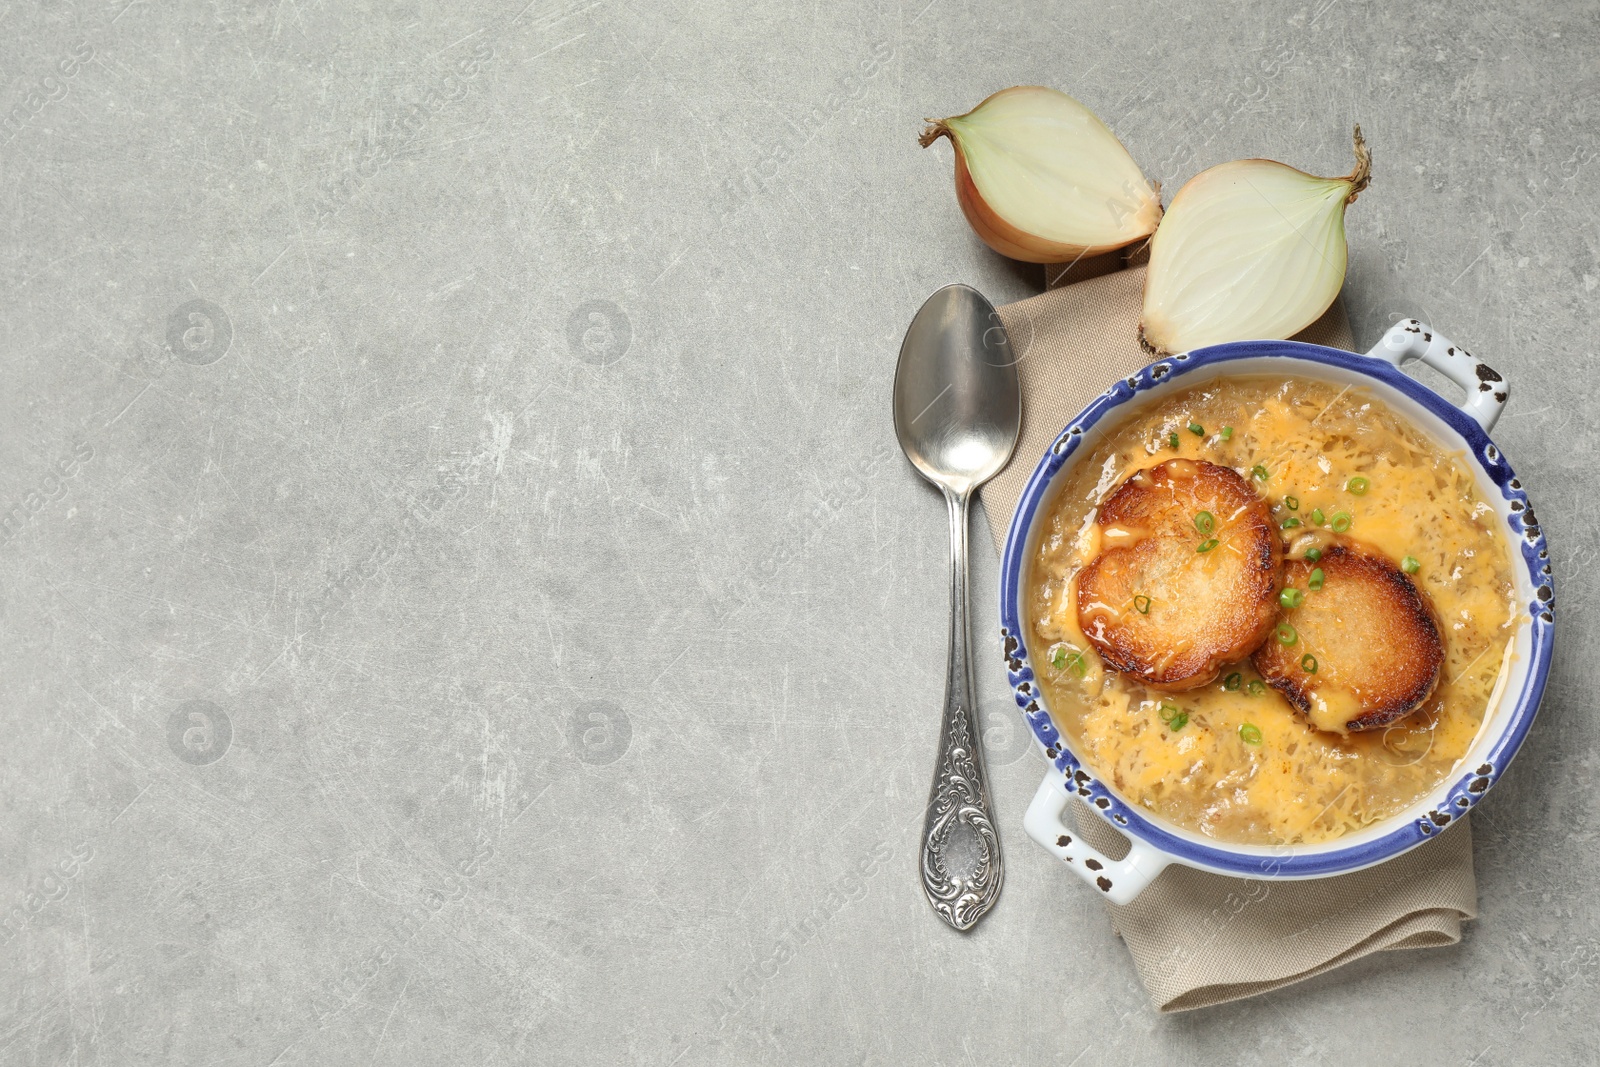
960 794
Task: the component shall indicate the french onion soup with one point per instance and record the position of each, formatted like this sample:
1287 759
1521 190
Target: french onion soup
1269 611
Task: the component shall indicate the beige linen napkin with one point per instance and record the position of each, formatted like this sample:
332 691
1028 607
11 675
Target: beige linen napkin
1199 939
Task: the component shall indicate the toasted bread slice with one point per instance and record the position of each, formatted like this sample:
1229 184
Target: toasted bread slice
1372 633
1187 574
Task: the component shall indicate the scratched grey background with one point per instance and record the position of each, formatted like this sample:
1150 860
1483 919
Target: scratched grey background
460 602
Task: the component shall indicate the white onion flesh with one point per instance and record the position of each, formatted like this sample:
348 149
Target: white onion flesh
1248 250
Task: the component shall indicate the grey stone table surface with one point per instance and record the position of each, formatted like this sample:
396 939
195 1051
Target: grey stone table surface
460 600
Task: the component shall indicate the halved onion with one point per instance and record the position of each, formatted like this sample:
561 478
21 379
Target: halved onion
1248 250
1041 179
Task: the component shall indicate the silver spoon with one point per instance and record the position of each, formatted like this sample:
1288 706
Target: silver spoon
957 409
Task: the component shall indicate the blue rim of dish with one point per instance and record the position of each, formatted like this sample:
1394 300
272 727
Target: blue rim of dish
1459 797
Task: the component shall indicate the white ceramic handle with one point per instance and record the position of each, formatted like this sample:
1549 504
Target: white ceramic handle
1120 880
1486 390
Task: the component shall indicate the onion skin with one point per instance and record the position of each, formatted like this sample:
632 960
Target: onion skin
1010 239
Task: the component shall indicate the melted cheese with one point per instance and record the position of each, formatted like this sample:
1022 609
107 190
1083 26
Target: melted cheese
1300 784
1332 707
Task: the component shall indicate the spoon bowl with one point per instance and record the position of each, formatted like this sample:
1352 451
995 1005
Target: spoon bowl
957 402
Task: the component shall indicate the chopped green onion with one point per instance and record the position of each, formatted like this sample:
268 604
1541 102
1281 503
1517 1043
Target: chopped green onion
1291 597
1308 663
1196 429
1410 565
1205 522
1250 733
1076 664
1292 503
1256 687
1175 717
1141 604
1172 439
1317 517
1207 545
1341 522
1058 658
1314 583
1231 682
1356 486
1313 554
1286 634
1290 523
1227 432
1260 473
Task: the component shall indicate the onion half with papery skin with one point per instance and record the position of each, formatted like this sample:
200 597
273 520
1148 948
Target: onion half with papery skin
1041 179
1248 250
